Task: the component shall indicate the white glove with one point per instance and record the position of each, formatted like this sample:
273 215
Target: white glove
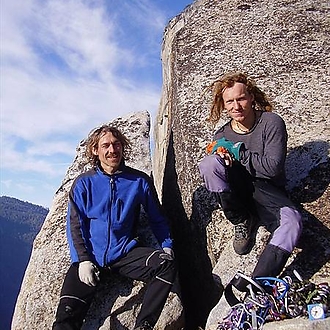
88 273
169 251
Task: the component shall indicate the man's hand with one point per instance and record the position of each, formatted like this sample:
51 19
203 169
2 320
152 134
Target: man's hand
88 273
168 254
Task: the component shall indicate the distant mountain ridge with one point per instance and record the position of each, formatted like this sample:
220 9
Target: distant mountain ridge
19 224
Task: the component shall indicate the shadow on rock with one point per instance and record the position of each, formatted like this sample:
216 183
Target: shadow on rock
104 300
200 292
312 194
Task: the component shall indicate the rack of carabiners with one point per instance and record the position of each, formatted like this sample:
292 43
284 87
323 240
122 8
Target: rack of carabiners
273 299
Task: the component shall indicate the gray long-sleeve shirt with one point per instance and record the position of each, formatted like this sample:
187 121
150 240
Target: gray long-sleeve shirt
264 151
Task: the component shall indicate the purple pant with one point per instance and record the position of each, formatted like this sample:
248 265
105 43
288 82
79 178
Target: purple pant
275 210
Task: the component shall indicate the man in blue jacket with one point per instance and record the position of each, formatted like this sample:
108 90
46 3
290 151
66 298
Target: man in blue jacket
104 207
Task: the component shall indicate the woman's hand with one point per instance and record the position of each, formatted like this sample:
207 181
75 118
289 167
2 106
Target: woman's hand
225 155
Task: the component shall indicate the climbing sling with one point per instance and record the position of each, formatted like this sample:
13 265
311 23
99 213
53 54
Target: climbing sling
269 299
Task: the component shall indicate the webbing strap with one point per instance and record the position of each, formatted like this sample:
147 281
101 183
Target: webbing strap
239 281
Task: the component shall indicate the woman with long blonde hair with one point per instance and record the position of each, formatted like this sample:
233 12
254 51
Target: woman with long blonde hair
244 168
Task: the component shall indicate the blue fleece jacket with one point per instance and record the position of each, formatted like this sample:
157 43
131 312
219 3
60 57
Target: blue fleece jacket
103 212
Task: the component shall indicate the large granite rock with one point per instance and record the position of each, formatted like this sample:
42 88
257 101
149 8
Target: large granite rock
117 303
284 45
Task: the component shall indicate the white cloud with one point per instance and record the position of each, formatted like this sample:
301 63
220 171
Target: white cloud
39 191
68 66
45 148
20 161
6 183
146 15
81 34
78 86
36 107
145 21
14 46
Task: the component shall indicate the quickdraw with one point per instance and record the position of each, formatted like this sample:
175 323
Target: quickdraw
271 299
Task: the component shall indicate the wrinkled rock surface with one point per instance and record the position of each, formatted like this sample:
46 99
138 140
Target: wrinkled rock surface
284 46
117 303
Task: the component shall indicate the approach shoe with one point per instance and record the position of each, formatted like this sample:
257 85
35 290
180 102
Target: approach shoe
144 326
243 238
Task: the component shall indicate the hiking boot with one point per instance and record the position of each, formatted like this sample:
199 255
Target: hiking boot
144 326
243 240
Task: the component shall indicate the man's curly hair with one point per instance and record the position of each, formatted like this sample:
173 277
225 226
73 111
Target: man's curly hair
260 102
94 138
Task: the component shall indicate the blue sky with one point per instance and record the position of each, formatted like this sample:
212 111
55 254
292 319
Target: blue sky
68 66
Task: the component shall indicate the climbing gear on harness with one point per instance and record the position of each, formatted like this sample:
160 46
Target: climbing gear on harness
271 299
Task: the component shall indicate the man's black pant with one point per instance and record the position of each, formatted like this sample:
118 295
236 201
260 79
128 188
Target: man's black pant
141 263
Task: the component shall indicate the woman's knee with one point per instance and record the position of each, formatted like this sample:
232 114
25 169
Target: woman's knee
287 234
295 220
210 165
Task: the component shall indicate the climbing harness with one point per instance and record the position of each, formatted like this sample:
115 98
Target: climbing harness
269 299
